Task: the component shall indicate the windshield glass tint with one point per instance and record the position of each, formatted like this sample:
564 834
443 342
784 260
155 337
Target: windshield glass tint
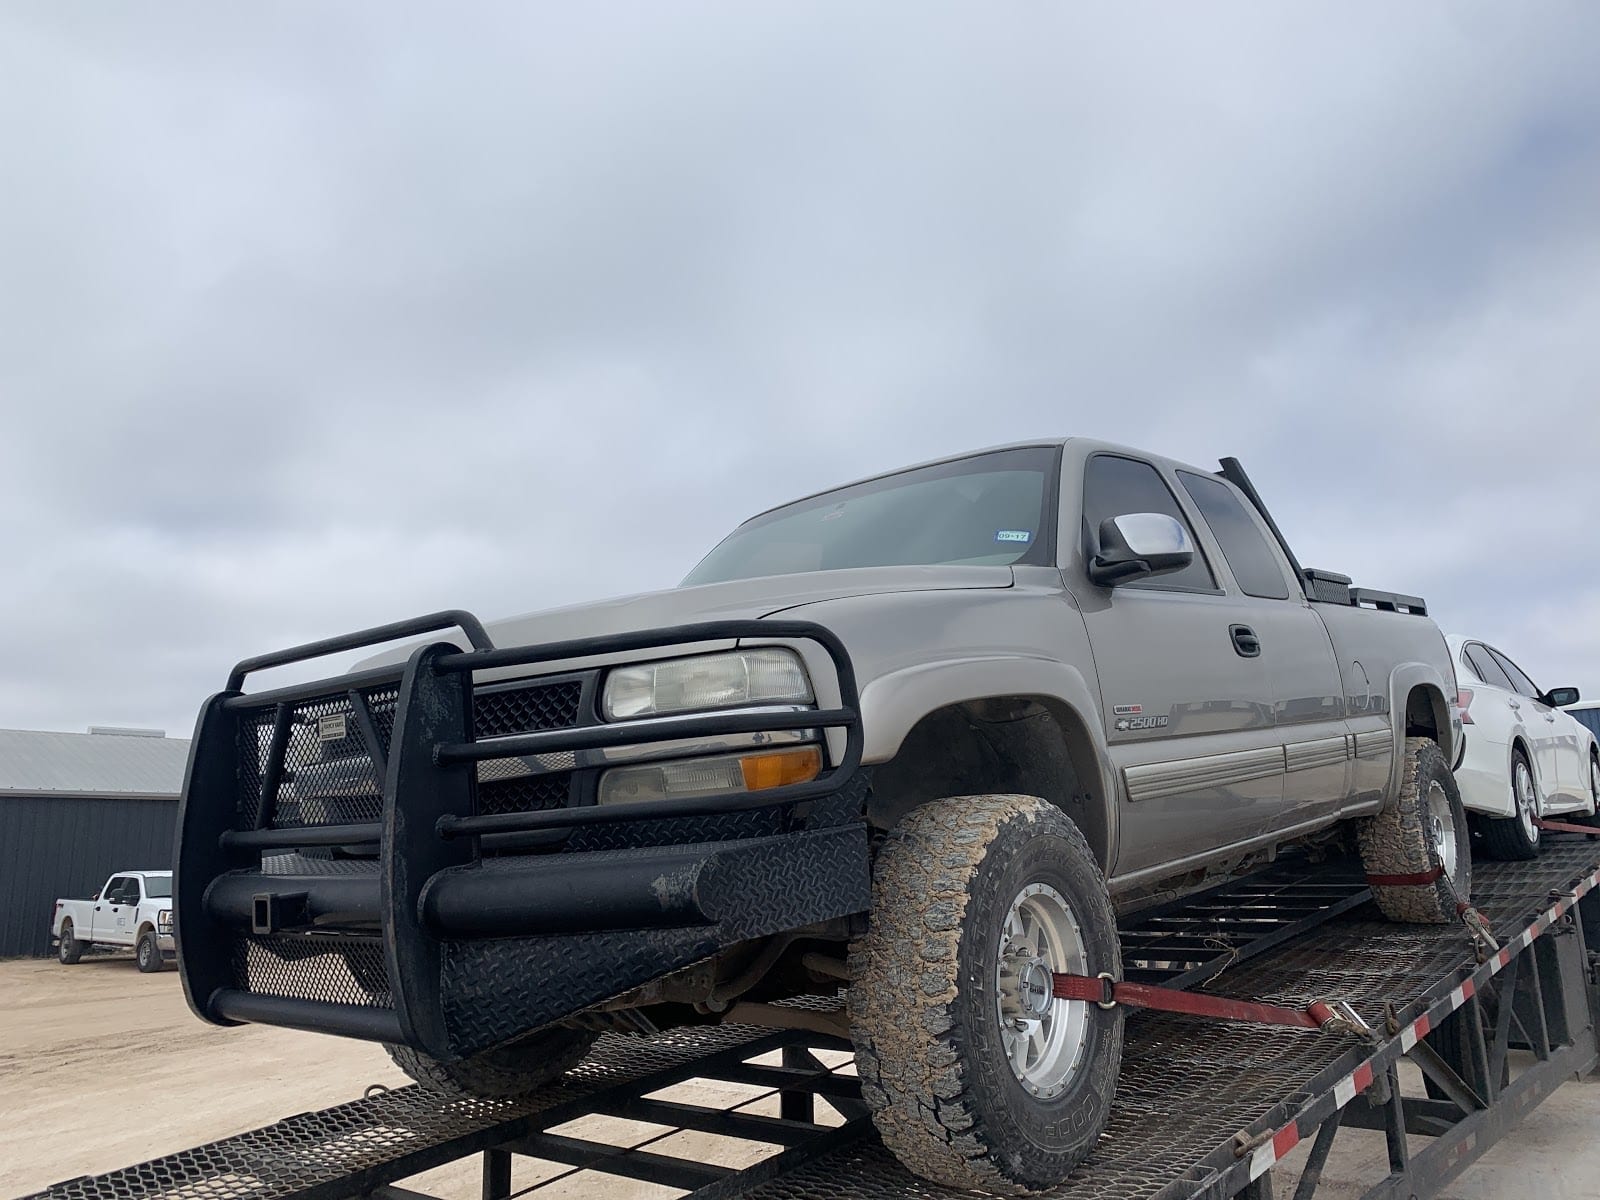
982 511
158 887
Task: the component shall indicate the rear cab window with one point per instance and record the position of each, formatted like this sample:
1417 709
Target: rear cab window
1255 567
1114 486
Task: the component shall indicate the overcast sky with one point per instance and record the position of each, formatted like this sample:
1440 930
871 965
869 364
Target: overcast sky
314 316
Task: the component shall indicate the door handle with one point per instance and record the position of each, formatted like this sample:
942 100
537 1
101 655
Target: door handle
1245 642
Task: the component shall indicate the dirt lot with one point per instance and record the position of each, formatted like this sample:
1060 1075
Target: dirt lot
101 1067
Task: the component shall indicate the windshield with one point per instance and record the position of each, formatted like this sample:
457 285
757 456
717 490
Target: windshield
989 510
158 887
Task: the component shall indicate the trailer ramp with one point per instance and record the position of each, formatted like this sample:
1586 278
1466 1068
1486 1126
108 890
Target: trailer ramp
1203 1110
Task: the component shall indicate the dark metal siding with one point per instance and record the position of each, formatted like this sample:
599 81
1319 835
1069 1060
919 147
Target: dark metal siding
58 846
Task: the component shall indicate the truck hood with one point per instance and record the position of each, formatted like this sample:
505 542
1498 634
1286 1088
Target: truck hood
738 599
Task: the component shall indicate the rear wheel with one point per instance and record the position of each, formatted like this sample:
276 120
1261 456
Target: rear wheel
976 1076
1516 837
68 948
1417 851
512 1070
148 952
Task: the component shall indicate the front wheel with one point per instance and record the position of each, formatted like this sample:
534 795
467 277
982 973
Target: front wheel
976 1076
1516 837
69 950
507 1071
1418 852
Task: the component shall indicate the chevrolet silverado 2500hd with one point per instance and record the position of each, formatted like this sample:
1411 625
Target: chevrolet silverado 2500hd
919 737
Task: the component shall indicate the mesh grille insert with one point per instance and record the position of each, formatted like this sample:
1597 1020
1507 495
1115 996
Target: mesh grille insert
346 970
529 793
526 709
328 775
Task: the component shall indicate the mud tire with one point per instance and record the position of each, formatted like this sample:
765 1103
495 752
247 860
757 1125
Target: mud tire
1396 842
923 1003
512 1070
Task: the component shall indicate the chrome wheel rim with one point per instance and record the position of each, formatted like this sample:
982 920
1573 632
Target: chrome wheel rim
1044 1039
1442 828
1527 800
144 952
1594 782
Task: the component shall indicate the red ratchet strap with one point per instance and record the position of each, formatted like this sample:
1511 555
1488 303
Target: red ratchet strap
1418 879
1325 1016
1566 827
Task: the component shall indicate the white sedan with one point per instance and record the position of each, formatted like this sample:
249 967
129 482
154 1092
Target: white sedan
1525 757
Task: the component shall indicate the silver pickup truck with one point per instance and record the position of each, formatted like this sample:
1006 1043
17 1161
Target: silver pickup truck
917 739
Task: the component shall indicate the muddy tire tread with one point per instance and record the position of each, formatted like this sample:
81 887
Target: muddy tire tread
907 974
1394 842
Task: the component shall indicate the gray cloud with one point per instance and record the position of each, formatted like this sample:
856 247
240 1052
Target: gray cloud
312 318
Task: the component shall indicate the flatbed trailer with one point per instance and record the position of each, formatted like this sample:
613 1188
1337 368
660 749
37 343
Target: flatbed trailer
1204 1109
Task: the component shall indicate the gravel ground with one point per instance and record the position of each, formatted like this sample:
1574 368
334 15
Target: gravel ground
101 1067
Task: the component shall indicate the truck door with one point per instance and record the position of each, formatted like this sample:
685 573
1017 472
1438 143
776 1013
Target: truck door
1188 711
115 911
1307 691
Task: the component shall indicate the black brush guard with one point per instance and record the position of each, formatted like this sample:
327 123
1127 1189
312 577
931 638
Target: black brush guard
438 946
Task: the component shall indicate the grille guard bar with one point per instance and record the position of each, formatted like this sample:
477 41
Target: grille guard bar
428 776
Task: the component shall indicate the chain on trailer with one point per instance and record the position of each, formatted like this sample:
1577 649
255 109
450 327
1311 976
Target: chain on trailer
1203 1110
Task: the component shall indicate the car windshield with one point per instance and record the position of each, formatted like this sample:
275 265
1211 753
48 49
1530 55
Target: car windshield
158 887
988 510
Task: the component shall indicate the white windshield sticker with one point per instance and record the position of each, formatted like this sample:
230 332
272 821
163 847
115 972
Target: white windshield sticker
1012 535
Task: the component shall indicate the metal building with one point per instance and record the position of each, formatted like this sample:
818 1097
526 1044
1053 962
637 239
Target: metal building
73 808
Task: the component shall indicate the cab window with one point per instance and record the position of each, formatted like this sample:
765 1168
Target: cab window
1249 557
124 889
1114 487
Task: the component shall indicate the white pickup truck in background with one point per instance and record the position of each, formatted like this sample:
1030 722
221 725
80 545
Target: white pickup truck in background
134 908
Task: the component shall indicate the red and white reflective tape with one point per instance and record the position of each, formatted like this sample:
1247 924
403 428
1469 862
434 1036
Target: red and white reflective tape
1285 1139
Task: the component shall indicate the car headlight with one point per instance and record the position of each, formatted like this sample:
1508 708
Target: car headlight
723 774
164 921
769 674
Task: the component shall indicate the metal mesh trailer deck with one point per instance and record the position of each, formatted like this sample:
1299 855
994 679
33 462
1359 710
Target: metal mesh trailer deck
1203 1109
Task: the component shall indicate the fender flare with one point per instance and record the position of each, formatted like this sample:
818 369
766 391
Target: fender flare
1403 680
892 704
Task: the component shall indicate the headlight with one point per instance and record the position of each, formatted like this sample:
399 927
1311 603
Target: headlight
687 778
164 921
770 674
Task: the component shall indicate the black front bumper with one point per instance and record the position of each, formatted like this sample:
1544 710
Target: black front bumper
420 898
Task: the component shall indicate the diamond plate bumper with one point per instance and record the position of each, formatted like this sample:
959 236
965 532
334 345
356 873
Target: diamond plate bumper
454 929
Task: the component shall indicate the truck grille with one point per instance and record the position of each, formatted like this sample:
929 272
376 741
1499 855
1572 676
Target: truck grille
328 775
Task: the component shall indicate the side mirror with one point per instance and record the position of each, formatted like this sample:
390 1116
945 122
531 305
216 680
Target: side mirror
1561 697
1137 545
